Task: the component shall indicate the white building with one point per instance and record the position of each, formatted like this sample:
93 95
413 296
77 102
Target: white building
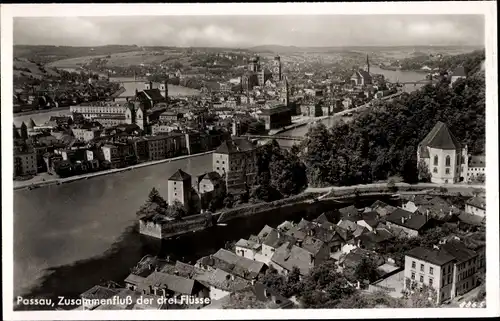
445 157
476 206
476 171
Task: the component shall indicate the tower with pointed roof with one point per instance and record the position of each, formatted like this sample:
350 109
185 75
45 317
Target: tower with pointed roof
179 188
367 67
24 131
445 157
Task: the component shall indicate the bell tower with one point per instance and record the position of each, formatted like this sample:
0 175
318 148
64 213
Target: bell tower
277 69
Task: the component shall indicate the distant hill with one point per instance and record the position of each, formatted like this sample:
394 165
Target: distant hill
26 68
332 49
46 54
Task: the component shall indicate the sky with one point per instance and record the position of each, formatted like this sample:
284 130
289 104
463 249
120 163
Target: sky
249 31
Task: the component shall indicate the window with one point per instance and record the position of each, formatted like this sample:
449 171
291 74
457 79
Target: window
431 270
413 265
431 281
447 171
422 278
435 170
413 275
435 160
422 267
448 161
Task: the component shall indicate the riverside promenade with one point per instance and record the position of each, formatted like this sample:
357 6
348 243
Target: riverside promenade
422 186
35 182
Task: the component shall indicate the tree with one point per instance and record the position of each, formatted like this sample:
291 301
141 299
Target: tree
382 142
424 174
176 210
155 197
366 270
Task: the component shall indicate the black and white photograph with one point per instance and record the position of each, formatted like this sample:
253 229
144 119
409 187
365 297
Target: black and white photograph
184 162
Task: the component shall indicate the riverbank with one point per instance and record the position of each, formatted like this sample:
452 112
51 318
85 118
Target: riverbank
40 111
36 183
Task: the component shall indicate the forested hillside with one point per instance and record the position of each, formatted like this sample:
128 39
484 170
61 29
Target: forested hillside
382 141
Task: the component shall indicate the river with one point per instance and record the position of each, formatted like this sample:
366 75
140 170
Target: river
390 75
70 237
61 224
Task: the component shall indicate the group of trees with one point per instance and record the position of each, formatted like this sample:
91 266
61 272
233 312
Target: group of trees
280 173
326 288
470 61
382 142
156 204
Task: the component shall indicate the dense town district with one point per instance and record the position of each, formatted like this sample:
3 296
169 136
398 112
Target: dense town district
391 190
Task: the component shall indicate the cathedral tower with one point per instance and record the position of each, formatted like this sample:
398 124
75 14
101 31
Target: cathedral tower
277 69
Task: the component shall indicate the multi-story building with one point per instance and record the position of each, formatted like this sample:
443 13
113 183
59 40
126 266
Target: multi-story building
276 116
443 155
179 188
432 268
86 134
476 168
451 269
165 146
108 114
236 161
25 161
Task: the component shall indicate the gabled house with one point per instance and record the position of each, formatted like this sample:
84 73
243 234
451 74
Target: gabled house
369 220
382 208
222 283
163 284
235 264
412 223
290 256
247 248
375 239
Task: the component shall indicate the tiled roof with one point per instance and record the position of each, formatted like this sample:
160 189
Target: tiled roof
247 244
174 283
180 175
312 245
212 176
477 161
235 146
382 208
376 236
432 256
350 213
223 280
413 221
471 219
440 137
249 268
458 250
295 256
479 202
154 94
99 292
371 218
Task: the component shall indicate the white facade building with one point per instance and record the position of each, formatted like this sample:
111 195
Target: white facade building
445 157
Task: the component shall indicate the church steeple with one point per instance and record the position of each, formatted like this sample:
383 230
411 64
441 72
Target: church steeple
367 68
